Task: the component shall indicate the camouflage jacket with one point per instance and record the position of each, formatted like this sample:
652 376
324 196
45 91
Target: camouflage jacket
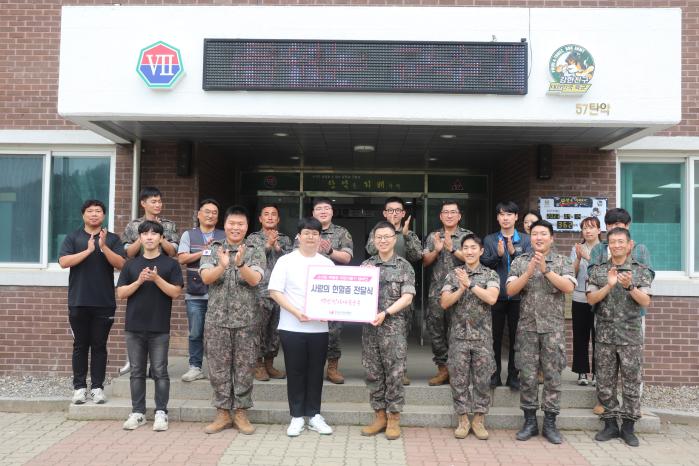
600 255
259 240
471 318
232 302
407 246
618 315
340 239
542 309
396 278
445 262
131 232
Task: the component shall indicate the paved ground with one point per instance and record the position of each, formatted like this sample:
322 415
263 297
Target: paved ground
42 439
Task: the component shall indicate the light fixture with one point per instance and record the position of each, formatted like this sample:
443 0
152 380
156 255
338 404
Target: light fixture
294 157
280 135
447 136
671 186
645 196
433 159
364 148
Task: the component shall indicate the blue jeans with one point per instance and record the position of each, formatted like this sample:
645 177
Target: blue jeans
141 346
196 315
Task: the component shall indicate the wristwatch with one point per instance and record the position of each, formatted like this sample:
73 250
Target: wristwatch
471 285
631 287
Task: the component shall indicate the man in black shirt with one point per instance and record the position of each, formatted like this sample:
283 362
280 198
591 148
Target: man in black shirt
150 281
92 254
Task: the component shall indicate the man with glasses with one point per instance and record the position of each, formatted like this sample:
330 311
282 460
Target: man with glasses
275 245
193 245
336 245
442 252
408 246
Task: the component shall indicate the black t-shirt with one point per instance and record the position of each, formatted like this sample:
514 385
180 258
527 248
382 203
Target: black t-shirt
91 282
149 308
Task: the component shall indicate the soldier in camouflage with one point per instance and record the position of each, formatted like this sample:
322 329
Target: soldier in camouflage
335 244
442 252
232 269
408 246
152 206
275 245
384 346
620 287
468 294
542 277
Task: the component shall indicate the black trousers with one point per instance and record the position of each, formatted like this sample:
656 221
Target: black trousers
505 311
583 330
304 358
90 326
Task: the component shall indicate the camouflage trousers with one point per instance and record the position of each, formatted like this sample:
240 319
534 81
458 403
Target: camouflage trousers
470 362
383 357
545 350
269 320
438 322
334 333
231 353
611 360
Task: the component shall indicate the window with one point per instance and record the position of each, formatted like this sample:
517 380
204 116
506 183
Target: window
654 195
30 233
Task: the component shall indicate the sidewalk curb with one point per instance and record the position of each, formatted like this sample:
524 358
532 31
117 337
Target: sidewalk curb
34 405
674 416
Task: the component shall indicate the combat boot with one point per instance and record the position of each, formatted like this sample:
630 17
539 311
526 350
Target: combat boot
463 428
442 376
610 431
222 421
379 424
260 371
271 371
393 426
530 428
333 373
478 427
549 430
241 422
627 434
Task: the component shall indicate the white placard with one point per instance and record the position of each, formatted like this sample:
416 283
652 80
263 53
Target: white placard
349 294
566 212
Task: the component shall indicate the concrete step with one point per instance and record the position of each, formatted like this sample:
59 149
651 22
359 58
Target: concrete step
346 413
354 390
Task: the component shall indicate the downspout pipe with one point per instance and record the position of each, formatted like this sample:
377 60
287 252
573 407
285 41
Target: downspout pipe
135 177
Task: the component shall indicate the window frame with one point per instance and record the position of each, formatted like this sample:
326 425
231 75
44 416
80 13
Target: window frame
47 155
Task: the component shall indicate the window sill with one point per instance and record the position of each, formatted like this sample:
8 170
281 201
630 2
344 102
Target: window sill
675 286
51 276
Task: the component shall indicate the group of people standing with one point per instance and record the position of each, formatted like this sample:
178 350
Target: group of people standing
245 298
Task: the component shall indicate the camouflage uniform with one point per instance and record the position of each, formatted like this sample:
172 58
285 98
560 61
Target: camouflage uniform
437 320
130 235
268 309
618 333
384 348
471 342
541 331
231 337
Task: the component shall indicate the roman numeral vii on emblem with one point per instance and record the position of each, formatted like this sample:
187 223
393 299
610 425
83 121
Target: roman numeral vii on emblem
160 65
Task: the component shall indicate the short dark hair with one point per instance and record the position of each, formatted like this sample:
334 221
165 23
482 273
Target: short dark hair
264 205
236 210
209 200
150 225
450 202
309 223
322 200
149 191
384 224
473 237
92 202
534 213
542 223
509 207
394 199
619 231
617 215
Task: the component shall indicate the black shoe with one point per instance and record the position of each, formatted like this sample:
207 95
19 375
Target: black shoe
513 382
495 381
627 434
550 431
530 428
610 431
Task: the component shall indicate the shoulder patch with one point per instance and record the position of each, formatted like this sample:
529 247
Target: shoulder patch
206 252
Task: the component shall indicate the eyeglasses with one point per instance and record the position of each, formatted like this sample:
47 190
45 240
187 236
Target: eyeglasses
322 209
393 211
383 237
450 212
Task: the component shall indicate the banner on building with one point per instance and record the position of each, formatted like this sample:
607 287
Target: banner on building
566 212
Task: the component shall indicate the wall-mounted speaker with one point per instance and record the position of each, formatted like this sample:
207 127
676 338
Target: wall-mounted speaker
544 161
184 158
